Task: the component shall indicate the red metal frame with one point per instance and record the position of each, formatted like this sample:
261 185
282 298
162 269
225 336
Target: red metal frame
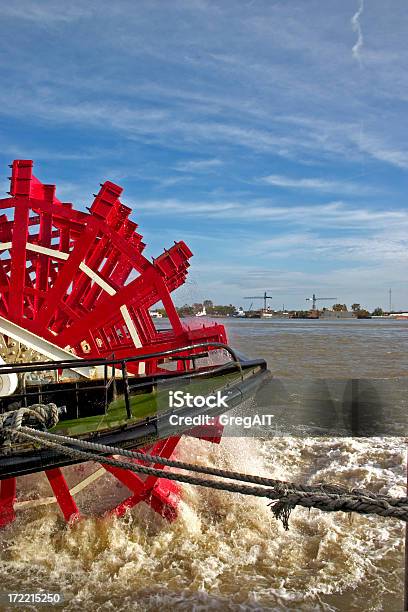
161 495
80 280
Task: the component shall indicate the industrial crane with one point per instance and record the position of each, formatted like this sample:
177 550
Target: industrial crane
315 299
263 297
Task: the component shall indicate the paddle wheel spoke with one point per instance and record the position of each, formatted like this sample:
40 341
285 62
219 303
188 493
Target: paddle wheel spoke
162 495
62 494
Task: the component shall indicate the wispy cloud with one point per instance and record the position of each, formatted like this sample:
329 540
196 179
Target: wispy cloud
356 25
44 13
199 165
383 151
317 184
376 248
346 138
203 119
332 214
170 181
33 152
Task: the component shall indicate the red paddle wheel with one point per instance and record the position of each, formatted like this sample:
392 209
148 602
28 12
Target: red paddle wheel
79 281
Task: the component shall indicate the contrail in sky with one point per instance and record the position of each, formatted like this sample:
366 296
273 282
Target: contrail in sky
356 25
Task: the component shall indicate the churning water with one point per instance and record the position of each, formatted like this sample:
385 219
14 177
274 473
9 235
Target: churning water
227 552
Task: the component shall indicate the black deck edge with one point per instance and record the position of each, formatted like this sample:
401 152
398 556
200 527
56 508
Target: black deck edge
138 434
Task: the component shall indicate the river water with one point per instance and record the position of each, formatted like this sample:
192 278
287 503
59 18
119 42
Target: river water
227 552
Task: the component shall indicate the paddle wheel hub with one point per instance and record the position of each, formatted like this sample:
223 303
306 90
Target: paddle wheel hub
77 283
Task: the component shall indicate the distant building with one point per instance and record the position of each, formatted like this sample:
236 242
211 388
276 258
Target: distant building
399 315
337 314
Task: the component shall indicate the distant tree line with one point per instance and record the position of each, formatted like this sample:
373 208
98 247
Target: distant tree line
210 308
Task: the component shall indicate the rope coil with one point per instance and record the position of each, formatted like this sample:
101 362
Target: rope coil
44 416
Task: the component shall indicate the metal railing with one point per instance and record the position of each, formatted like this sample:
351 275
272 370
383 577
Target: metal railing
117 364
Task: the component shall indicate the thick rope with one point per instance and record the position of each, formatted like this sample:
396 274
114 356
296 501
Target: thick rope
228 474
285 497
157 459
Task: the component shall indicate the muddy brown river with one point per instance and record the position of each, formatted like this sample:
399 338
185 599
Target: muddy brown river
227 552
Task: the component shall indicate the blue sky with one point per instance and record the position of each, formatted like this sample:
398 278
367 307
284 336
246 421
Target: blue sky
271 136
